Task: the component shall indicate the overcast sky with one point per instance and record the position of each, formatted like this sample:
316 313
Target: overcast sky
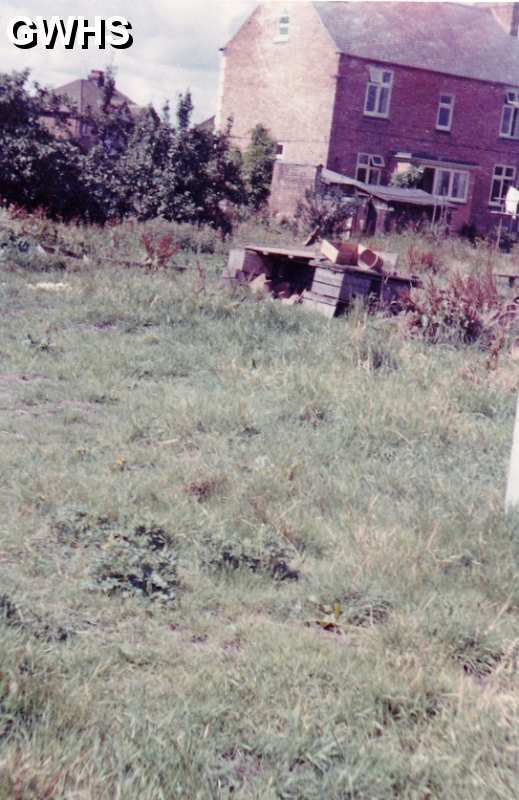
175 46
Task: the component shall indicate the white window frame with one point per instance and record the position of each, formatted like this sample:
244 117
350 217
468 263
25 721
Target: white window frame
503 179
448 105
283 23
373 164
382 80
452 173
510 109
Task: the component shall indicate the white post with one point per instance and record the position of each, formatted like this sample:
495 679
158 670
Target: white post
512 489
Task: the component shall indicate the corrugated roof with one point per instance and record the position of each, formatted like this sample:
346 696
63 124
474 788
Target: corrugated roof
395 194
463 40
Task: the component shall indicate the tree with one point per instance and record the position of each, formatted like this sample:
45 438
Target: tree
201 177
258 165
37 168
139 164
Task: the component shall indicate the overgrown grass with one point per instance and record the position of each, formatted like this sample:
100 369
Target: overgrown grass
153 414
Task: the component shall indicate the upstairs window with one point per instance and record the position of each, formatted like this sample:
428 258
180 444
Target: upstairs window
283 27
378 92
445 109
280 148
369 168
510 117
452 184
502 179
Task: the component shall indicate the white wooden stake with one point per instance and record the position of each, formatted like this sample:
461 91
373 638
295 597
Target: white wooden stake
512 489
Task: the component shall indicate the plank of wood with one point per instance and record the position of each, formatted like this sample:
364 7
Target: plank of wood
319 298
322 308
307 254
323 275
325 290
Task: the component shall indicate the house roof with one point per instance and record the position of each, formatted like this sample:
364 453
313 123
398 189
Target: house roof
88 92
457 39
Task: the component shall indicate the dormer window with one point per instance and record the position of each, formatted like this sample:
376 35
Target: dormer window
378 92
283 27
510 116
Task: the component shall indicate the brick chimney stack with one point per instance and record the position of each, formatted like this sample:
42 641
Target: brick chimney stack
98 76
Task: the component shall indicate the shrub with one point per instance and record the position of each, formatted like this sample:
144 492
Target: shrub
331 212
409 179
468 309
258 164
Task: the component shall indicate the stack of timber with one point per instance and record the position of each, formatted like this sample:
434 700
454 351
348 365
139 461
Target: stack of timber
325 277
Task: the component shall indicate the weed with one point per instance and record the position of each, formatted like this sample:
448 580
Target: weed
468 309
143 563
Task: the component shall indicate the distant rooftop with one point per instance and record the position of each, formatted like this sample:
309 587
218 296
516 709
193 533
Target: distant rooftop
88 92
457 39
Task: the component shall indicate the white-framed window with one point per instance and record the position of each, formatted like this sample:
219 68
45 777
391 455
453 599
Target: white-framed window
280 149
445 110
283 27
369 168
453 184
378 92
502 178
510 116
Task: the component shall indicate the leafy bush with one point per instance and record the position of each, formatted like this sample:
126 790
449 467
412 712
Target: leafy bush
467 309
258 164
408 179
139 165
330 211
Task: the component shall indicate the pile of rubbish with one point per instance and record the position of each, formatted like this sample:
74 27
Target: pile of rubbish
326 276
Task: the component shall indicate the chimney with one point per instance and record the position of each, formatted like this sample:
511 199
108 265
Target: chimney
514 24
98 76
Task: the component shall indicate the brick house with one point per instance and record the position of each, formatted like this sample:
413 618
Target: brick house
86 94
366 89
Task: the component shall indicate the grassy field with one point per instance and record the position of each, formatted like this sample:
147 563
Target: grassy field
247 552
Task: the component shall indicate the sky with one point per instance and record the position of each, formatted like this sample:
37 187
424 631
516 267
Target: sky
176 46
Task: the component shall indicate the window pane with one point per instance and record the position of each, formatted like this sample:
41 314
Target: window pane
459 185
362 174
510 172
498 171
371 100
383 100
442 182
507 120
363 158
495 193
515 123
444 117
446 99
386 78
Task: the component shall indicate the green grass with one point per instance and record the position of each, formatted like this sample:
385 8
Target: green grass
157 420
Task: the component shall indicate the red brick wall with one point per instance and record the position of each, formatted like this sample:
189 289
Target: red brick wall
474 135
287 86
